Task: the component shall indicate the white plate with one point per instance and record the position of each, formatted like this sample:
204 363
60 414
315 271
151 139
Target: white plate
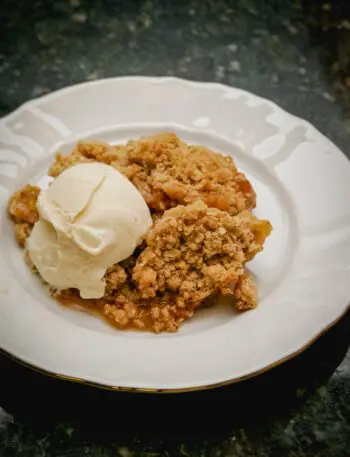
303 185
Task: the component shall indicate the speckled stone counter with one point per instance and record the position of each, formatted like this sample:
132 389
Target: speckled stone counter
295 53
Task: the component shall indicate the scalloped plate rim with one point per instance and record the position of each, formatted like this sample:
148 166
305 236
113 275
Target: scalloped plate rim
202 84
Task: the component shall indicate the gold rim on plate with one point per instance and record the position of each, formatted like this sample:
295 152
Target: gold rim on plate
184 389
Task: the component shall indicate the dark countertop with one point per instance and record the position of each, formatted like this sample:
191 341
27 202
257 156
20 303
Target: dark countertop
295 53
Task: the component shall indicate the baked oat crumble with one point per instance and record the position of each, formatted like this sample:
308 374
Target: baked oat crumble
203 232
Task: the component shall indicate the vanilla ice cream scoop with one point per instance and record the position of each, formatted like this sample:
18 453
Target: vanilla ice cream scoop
91 217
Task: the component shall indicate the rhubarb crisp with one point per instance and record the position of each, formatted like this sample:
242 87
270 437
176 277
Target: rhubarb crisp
203 233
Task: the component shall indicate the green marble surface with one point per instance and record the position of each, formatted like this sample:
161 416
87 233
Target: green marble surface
295 53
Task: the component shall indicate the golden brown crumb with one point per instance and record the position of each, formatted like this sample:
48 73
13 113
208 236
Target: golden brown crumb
157 317
22 232
115 279
102 152
246 293
194 251
168 173
63 162
88 152
22 205
23 212
126 309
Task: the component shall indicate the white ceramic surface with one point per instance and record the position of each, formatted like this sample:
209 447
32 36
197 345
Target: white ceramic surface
302 182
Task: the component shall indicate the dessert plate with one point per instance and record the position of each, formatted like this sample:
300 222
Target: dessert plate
302 182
